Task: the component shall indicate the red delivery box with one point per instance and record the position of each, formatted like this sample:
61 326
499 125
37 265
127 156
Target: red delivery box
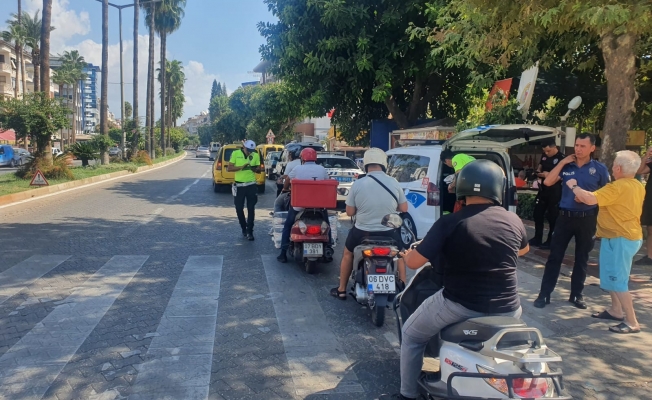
314 194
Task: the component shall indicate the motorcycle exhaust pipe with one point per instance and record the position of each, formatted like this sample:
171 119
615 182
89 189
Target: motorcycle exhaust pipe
328 252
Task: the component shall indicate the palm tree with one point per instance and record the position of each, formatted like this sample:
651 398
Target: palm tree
135 86
32 27
150 10
167 20
61 77
16 33
175 79
46 28
74 63
104 106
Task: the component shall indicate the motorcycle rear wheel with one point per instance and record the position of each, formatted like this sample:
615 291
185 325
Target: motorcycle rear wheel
378 316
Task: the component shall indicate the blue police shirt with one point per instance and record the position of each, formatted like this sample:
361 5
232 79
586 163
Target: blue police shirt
591 177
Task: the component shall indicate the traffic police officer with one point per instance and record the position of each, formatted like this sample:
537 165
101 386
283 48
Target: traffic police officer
246 164
575 219
549 196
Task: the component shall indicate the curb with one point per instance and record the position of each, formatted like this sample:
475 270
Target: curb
29 195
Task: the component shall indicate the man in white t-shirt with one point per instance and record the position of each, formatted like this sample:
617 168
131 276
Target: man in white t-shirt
369 201
282 197
309 170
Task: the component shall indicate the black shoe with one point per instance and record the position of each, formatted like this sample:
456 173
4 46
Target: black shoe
578 301
545 245
283 257
250 237
644 261
541 301
535 242
244 232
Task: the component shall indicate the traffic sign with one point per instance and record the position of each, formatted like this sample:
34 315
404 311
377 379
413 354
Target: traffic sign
270 137
39 179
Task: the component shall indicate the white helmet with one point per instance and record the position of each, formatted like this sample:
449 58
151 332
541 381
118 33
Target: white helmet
250 145
375 156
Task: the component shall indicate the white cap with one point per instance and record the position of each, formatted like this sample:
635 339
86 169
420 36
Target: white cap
249 144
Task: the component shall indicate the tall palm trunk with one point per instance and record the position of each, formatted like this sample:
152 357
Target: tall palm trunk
150 86
75 87
45 70
22 70
136 137
17 51
163 85
37 69
105 76
169 116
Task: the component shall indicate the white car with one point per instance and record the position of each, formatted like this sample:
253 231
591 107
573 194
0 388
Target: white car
418 169
115 151
56 151
342 168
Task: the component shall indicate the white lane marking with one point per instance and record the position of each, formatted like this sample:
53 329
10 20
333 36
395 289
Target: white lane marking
14 279
188 187
183 343
317 363
88 185
28 368
149 218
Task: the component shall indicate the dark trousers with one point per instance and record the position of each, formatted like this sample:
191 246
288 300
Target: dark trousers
583 229
250 194
545 202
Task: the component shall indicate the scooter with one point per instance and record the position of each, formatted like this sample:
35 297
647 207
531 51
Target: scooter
310 239
480 358
375 275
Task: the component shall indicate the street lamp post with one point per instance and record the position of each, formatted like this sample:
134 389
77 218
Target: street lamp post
123 143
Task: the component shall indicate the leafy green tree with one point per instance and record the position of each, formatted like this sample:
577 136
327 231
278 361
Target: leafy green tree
502 32
102 144
215 90
84 151
128 110
358 58
35 116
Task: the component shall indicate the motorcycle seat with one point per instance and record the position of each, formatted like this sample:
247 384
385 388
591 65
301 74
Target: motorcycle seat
479 329
379 240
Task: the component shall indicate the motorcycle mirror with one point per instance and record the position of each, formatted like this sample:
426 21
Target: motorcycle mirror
393 221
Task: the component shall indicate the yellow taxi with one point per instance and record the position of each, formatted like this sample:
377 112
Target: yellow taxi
264 149
223 179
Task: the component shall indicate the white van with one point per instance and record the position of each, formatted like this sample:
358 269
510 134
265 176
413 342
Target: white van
213 148
418 168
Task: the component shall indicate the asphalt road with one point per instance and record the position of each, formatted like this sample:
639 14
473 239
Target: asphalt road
143 288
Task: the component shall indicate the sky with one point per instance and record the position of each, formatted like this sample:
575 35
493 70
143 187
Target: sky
218 39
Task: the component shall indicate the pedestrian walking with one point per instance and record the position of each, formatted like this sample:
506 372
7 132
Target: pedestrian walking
548 197
575 219
619 228
646 216
246 164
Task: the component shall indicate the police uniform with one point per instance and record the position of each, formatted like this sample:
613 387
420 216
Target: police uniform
547 201
575 220
246 189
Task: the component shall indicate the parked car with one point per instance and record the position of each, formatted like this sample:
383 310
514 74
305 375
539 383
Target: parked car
202 152
7 156
280 165
270 163
56 152
342 169
21 156
418 168
115 151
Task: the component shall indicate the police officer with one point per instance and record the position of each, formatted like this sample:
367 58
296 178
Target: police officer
575 219
246 164
549 196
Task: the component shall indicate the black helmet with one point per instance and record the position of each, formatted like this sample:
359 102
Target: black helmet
482 178
296 152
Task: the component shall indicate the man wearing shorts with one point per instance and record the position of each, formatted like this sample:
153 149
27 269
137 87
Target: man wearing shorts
619 228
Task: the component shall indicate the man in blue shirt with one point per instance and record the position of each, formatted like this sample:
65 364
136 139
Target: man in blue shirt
575 219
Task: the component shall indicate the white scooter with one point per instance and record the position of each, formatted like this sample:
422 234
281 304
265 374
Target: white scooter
481 358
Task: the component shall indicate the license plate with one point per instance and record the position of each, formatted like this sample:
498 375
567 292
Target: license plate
313 249
381 283
344 179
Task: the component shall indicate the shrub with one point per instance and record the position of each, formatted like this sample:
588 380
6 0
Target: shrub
525 208
170 151
142 158
84 152
58 170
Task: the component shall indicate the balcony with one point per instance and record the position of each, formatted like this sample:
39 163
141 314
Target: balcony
6 67
6 88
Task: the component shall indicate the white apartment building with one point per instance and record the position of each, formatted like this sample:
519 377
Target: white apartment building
8 66
193 123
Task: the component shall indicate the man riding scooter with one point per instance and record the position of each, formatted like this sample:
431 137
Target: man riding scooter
308 170
477 249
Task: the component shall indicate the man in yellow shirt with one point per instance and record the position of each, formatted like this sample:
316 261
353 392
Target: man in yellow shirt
619 228
245 163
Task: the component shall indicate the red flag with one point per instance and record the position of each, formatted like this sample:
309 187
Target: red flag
331 113
499 87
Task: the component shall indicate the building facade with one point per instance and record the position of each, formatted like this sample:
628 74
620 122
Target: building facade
8 67
193 123
90 105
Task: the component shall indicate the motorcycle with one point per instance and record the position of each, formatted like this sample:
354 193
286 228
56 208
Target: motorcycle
375 275
480 358
310 239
